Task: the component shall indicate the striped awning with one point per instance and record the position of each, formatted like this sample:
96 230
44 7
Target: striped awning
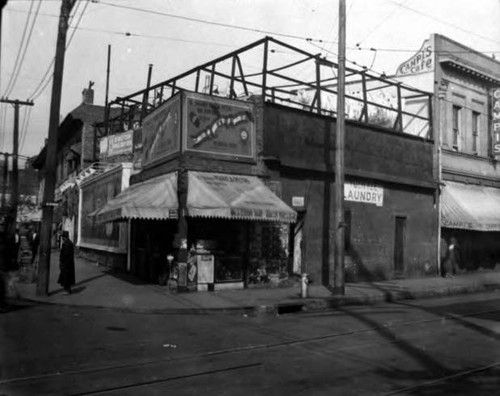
153 199
235 197
470 207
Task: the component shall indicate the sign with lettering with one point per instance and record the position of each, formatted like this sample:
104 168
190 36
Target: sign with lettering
219 126
120 143
421 62
367 193
495 124
160 132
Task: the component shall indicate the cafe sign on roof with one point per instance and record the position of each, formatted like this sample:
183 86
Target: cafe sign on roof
421 62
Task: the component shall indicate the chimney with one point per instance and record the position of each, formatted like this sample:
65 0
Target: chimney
88 94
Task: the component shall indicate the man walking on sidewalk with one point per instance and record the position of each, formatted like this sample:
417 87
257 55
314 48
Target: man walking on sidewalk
66 264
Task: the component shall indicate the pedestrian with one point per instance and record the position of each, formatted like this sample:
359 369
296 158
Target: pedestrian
66 264
453 259
15 253
35 242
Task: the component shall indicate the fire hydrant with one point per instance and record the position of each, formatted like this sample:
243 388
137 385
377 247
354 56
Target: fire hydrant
304 282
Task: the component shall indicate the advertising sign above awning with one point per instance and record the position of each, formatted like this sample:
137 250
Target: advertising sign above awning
219 126
160 132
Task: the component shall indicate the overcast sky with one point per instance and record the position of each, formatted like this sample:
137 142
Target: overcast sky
150 31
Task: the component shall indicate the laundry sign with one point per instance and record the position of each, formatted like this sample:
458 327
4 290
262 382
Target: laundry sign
367 193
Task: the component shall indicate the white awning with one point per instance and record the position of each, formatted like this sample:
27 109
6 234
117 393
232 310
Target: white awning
470 207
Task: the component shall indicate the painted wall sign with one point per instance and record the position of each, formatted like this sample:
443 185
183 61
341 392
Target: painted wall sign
120 143
160 132
421 62
367 193
495 124
219 126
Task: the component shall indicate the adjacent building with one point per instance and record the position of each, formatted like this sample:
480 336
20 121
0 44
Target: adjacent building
466 87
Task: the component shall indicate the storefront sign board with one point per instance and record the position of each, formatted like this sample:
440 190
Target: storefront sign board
495 125
367 193
219 126
160 132
120 143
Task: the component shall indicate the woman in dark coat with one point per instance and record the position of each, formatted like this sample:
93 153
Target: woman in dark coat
66 263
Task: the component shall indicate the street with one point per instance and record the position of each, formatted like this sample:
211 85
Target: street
434 346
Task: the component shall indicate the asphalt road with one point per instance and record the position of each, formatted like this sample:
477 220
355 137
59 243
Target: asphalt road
432 347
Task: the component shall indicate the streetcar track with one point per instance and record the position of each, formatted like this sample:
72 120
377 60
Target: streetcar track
283 343
163 380
436 381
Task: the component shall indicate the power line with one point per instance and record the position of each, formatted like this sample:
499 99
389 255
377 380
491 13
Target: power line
24 132
447 23
16 75
220 24
42 85
20 47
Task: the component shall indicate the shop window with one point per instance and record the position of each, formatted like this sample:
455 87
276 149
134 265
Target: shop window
456 110
475 131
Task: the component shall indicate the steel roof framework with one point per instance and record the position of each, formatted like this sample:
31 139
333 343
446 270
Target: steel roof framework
279 72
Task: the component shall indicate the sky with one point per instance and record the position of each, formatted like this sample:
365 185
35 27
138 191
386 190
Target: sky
177 35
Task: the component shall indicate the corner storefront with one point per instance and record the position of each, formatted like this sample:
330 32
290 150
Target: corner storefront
203 190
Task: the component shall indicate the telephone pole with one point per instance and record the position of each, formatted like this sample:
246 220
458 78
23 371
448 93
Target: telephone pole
51 152
338 280
15 167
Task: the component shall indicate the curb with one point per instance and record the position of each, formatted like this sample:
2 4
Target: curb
310 305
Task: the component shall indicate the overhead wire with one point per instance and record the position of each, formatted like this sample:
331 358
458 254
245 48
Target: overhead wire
20 49
25 49
44 82
24 131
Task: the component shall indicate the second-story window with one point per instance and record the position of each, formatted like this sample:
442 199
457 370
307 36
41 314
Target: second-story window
475 131
456 126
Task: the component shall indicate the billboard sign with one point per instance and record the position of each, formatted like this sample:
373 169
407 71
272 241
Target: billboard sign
495 124
160 132
219 126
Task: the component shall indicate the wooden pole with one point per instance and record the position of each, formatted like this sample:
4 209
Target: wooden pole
51 152
338 280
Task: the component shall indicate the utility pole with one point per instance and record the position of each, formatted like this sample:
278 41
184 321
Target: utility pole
338 281
51 152
145 97
5 177
106 104
15 167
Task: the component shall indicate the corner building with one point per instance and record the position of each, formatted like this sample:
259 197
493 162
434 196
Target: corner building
237 180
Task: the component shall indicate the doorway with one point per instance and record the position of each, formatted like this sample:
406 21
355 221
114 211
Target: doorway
399 245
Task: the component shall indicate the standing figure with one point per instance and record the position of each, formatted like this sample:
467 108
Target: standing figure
66 264
35 242
452 259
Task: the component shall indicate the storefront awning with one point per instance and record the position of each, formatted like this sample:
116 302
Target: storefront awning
235 197
153 199
470 207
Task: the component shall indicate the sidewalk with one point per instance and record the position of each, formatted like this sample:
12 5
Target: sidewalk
99 286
